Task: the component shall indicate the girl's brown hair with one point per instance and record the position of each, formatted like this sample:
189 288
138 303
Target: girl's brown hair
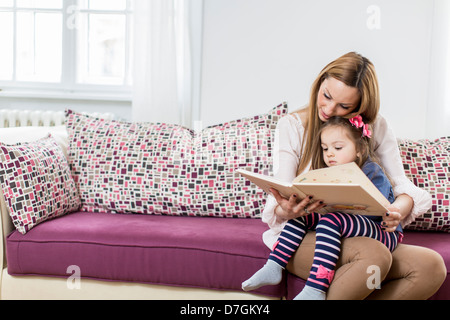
362 143
355 71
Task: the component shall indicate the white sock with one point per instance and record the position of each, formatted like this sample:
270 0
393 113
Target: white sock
270 274
310 293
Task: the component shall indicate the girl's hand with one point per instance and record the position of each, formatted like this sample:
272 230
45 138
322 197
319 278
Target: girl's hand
291 209
391 219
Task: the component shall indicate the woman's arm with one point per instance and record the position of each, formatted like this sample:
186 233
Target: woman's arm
411 201
286 153
398 211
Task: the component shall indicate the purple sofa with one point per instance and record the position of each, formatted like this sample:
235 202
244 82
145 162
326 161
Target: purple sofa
197 252
166 255
200 252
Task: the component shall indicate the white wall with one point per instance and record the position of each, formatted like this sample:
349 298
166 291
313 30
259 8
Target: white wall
259 53
120 109
438 120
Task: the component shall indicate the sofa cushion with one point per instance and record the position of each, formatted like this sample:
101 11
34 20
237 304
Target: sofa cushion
168 169
203 252
36 182
14 135
427 165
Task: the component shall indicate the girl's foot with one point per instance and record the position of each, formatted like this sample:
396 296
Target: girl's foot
270 274
309 293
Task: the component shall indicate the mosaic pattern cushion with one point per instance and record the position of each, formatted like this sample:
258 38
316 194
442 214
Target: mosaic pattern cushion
166 169
36 182
426 163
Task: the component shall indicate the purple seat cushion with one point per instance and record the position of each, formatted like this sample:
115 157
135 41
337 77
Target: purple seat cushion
204 252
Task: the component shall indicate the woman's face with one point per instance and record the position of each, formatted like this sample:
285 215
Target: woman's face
335 98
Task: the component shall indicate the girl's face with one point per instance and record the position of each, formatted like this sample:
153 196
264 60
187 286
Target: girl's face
335 98
337 147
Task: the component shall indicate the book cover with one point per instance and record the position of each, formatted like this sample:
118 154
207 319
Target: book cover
343 188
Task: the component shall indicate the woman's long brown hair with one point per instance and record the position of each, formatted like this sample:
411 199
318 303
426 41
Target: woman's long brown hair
355 71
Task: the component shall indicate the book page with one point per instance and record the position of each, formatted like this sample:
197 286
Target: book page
286 189
342 188
347 198
348 173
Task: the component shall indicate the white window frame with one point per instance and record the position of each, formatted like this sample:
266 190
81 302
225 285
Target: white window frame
68 88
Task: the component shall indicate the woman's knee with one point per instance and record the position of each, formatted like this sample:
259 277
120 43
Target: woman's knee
372 253
363 265
416 274
426 270
434 271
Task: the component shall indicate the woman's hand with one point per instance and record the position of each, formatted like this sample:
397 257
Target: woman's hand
392 219
397 211
288 209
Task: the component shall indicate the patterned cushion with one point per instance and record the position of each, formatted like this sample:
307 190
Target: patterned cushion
426 163
168 169
36 182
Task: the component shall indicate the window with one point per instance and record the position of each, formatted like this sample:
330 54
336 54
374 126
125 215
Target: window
66 45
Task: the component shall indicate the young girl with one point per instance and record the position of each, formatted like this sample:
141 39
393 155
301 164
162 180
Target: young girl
339 141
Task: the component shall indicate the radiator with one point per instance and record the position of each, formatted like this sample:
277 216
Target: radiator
25 118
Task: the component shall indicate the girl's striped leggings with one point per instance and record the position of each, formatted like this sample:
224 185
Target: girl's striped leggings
330 228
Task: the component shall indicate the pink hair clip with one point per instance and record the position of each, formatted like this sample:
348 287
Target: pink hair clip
359 123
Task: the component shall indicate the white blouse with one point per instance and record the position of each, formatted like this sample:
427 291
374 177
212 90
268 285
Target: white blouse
286 158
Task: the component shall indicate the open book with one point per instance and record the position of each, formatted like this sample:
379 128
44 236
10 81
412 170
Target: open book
343 188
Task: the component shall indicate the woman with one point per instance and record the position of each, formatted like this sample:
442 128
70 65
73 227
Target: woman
348 87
